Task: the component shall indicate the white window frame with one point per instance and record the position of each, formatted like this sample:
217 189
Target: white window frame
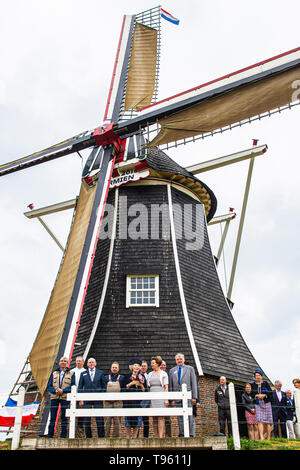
129 289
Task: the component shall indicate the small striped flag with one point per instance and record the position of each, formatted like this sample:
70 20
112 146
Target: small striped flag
167 16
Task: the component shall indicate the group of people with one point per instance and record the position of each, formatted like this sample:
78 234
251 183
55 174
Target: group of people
92 379
265 410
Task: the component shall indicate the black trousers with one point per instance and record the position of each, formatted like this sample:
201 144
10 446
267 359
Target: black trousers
146 426
224 416
99 419
53 414
282 423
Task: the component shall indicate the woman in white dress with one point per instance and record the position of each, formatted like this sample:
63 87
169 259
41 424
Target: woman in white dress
158 381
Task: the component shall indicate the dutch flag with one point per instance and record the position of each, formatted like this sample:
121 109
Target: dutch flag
8 413
167 16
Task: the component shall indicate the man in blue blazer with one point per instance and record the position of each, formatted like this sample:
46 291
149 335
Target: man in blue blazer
92 381
279 410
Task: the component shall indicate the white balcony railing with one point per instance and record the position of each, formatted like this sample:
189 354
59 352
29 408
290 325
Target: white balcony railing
185 410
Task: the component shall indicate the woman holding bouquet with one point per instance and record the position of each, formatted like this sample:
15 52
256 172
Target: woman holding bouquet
134 382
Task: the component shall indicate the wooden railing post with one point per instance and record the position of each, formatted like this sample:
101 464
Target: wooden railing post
234 418
186 427
73 404
18 419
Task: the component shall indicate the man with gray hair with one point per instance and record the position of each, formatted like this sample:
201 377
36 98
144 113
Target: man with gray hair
92 380
183 374
59 385
222 401
279 409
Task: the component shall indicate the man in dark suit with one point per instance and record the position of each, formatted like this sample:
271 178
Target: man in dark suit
92 381
222 400
183 374
279 410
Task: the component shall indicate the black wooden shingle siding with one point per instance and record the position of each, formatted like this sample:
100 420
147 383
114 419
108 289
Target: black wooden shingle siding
141 331
94 290
221 347
146 331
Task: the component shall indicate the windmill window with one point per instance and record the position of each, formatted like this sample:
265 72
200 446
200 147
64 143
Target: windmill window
142 291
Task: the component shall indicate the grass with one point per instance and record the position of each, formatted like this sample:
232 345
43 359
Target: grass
5 445
272 444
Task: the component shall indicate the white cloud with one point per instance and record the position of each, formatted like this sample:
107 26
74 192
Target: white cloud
3 353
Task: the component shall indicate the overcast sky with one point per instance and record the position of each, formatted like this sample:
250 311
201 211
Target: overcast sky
56 64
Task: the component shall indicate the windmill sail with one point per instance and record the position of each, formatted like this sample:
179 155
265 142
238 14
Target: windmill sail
68 146
233 98
45 348
58 330
142 70
134 82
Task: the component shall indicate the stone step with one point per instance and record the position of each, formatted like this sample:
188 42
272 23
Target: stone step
193 443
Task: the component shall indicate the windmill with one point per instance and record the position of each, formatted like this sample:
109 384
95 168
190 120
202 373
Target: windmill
129 147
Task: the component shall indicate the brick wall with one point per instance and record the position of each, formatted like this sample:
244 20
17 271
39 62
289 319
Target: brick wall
207 415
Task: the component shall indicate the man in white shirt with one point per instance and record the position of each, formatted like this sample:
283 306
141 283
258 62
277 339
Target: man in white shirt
77 372
78 369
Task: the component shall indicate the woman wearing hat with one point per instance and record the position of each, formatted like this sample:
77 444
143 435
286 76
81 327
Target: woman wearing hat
134 382
262 392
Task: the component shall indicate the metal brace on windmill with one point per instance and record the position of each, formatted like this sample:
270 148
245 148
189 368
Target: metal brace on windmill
130 261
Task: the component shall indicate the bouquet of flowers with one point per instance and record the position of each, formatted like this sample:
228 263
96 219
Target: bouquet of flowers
138 377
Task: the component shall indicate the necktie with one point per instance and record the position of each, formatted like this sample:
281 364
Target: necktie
62 373
179 375
92 373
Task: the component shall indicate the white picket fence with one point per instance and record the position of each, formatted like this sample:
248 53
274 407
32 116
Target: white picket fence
185 411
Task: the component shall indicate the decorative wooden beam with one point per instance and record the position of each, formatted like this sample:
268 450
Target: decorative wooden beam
61 206
255 151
